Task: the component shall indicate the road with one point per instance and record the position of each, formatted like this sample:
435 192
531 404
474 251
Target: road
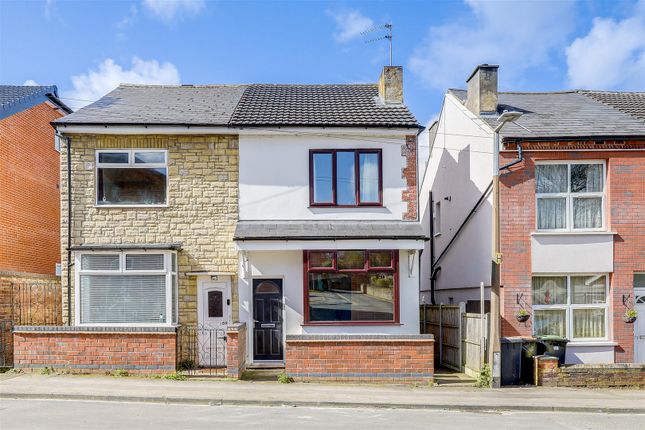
62 414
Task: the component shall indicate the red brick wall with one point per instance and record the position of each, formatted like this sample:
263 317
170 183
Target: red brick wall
626 206
371 360
236 350
588 375
409 173
87 352
29 195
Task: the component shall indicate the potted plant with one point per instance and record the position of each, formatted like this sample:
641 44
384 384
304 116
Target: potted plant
630 316
522 315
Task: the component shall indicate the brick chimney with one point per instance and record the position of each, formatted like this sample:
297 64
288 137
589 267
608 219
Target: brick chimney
390 85
482 89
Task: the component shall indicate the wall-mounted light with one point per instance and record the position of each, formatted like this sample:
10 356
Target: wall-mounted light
214 278
411 254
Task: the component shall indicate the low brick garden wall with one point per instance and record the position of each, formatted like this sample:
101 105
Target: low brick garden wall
365 358
615 375
95 349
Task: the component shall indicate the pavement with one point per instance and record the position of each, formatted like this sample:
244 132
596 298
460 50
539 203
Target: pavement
74 414
254 393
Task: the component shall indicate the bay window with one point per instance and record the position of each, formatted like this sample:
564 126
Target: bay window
570 195
351 287
131 177
126 288
345 177
572 306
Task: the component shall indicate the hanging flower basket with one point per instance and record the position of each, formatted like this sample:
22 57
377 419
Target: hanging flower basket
630 316
523 316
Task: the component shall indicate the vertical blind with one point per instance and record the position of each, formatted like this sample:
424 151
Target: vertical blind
123 299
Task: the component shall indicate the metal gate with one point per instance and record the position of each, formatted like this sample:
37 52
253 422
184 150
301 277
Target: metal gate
473 342
201 350
6 343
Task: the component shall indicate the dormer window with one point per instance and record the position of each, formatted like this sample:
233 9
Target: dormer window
346 178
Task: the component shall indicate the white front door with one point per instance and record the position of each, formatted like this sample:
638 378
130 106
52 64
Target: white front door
639 327
214 315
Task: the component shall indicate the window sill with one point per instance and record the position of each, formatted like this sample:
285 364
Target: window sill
131 206
592 343
350 323
364 205
573 233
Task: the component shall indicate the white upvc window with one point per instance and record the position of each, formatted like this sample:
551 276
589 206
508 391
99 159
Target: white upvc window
126 288
571 306
570 195
131 177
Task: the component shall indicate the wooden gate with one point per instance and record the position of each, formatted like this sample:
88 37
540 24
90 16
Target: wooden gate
444 322
473 342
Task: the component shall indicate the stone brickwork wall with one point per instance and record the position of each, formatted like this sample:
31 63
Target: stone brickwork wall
201 214
236 350
82 350
410 174
29 181
365 358
625 200
588 375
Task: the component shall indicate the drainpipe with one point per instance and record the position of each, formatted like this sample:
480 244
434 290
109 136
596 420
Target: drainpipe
520 158
69 231
433 272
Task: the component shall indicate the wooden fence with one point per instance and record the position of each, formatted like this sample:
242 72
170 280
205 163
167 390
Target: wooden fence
473 342
458 336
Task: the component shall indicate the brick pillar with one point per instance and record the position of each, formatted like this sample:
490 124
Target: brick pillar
546 370
236 350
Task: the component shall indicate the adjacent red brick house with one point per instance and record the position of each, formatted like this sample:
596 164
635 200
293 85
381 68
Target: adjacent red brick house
572 206
29 185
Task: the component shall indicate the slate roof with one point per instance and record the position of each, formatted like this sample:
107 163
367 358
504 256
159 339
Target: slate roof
563 114
14 98
319 105
330 230
206 105
631 103
243 105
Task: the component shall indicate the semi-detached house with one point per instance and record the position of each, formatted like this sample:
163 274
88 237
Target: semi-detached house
572 199
280 219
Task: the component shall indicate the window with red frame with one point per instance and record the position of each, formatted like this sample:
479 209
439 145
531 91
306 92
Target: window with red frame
346 177
351 287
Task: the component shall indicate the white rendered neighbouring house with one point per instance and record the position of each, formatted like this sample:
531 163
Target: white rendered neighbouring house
277 224
572 199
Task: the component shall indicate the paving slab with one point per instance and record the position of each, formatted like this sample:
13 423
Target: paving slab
229 392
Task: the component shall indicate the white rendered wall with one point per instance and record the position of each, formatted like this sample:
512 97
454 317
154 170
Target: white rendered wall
572 253
458 172
287 265
274 177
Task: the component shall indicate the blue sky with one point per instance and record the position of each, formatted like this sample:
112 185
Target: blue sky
87 48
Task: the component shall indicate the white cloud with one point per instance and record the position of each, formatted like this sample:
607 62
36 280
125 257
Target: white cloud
516 35
31 83
169 10
94 84
611 55
350 24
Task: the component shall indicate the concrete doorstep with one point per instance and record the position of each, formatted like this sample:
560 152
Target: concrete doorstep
226 392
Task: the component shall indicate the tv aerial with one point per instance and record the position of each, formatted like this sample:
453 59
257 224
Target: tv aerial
387 36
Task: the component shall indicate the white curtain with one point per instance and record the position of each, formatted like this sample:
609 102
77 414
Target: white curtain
586 290
587 212
551 178
549 290
552 213
589 323
549 322
586 178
